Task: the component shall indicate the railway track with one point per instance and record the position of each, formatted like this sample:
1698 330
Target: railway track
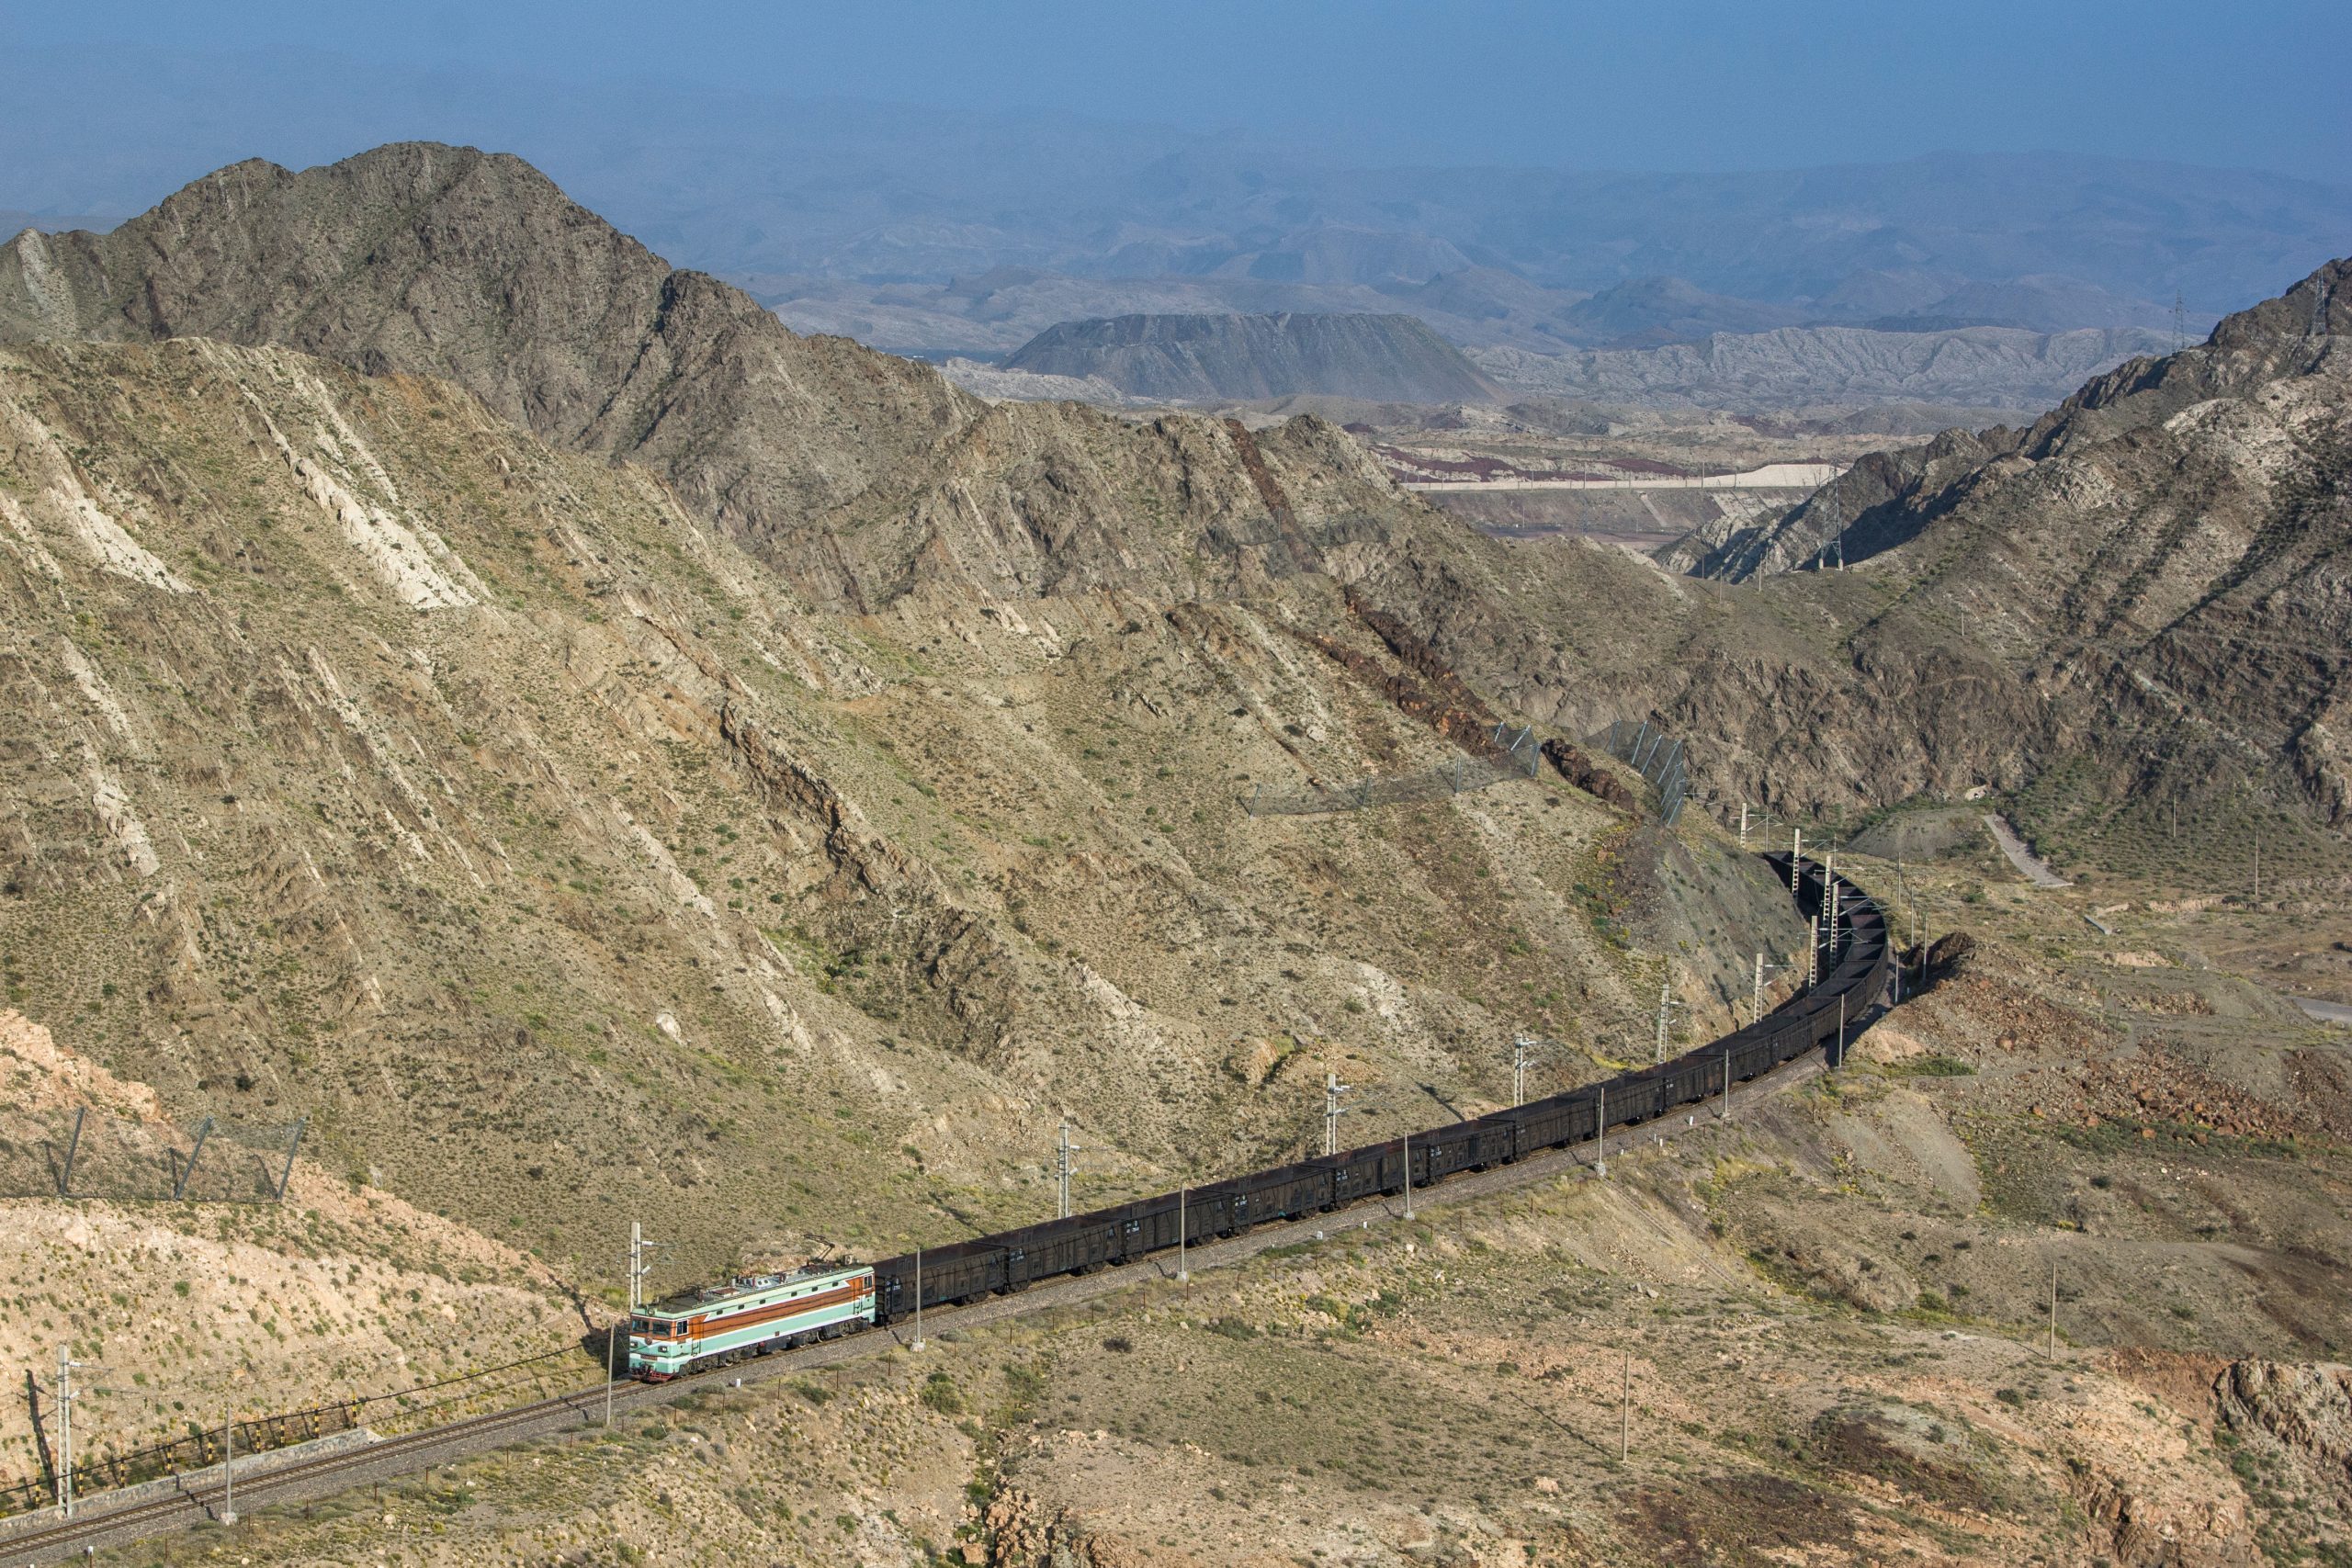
409 1453
99 1525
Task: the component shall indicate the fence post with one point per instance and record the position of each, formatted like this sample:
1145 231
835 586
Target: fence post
72 1147
203 1132
288 1175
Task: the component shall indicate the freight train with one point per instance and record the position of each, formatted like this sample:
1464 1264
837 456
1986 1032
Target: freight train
719 1323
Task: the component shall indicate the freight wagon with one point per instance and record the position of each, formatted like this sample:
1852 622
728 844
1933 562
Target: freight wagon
1856 964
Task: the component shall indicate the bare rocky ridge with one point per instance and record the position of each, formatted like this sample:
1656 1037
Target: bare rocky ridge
2162 556
857 474
377 761
1241 358
867 480
448 262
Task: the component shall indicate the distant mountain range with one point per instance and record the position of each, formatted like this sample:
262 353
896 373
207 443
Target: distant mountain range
1790 367
1228 358
770 190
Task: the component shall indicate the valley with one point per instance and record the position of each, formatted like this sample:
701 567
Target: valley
587 754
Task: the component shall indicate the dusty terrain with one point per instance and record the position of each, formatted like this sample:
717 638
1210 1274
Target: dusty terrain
196 1312
1824 1328
655 767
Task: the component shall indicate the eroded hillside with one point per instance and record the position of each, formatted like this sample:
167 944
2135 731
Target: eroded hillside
2159 565
380 764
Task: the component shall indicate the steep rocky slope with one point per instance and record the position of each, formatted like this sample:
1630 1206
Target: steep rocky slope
342 1291
375 761
474 267
857 474
2161 559
449 262
869 482
1245 358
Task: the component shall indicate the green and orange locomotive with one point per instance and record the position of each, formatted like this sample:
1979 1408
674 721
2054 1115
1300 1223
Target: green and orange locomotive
715 1325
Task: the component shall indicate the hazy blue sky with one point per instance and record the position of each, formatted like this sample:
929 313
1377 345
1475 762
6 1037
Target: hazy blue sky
1700 85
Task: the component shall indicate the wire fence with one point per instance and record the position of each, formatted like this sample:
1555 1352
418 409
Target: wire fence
86 1152
1515 755
446 1399
1650 752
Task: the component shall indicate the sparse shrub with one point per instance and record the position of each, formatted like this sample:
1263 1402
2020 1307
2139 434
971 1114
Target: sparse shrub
939 1393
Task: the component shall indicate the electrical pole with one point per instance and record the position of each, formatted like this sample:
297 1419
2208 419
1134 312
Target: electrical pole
1796 858
1743 824
1183 1274
1665 1008
1333 1109
1063 1165
2053 1309
638 1270
229 1466
66 1367
1408 1176
1600 1133
1518 1050
1835 900
917 1344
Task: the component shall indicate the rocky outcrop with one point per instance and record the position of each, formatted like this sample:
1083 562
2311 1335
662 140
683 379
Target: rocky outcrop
1238 358
2305 1408
1587 776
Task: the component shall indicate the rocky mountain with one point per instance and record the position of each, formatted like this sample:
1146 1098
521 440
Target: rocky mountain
1222 358
856 473
2166 549
1794 368
448 262
375 760
389 752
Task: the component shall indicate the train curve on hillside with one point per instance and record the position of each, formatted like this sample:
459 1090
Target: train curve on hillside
1855 965
1859 963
